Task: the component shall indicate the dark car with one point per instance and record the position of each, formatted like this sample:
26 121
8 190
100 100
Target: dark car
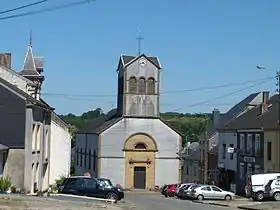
91 187
108 183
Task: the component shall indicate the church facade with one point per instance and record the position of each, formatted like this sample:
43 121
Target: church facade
132 145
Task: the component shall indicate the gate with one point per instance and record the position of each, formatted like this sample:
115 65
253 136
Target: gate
139 177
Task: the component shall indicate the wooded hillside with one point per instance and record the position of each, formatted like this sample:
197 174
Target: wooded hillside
190 125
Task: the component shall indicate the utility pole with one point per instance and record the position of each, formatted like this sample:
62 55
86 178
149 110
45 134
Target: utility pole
206 143
278 92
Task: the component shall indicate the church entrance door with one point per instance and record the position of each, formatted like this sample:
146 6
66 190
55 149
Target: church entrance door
139 177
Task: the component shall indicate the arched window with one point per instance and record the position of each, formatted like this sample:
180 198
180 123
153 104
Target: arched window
140 146
132 85
142 85
151 86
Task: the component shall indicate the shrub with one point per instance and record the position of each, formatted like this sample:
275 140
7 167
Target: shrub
5 183
58 182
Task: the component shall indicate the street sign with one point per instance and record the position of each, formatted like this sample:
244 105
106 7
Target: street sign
231 150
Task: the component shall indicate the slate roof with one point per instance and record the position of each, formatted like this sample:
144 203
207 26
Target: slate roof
127 58
101 123
253 119
29 66
28 97
232 113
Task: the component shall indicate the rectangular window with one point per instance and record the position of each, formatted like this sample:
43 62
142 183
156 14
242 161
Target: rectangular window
77 156
94 160
249 148
257 145
81 157
89 159
269 150
242 142
231 154
85 162
241 171
187 170
224 151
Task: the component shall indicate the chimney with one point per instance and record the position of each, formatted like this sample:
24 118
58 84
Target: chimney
216 117
264 105
6 60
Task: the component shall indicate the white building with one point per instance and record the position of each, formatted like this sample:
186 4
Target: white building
132 145
30 80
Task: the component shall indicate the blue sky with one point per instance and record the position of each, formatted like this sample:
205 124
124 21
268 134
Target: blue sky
199 43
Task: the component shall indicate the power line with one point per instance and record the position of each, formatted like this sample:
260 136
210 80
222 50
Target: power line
223 96
218 86
24 6
164 92
50 9
113 102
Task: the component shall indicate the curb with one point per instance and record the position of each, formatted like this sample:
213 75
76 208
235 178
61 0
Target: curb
76 196
248 208
213 204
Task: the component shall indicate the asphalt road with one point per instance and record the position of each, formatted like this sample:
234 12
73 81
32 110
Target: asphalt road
157 202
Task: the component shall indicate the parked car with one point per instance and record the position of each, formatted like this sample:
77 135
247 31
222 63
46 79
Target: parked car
169 190
211 192
257 184
273 189
184 192
91 187
180 186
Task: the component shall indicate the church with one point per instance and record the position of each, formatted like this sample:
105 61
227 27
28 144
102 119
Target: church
132 145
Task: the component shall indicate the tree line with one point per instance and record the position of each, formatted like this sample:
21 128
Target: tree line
189 125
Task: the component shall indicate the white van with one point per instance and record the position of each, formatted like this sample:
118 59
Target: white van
255 186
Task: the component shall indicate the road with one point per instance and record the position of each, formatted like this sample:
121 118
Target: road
153 201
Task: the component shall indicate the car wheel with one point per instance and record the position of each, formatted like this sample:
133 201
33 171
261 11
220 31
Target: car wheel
112 196
259 196
172 194
228 198
276 196
200 197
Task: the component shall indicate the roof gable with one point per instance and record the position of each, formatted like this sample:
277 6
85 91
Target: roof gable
232 113
128 59
25 95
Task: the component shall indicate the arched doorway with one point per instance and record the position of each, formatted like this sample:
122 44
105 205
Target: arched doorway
140 152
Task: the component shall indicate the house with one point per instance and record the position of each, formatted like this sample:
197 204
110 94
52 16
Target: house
221 165
132 145
191 163
24 138
249 147
270 124
30 80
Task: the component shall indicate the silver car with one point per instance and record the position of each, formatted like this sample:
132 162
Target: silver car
211 192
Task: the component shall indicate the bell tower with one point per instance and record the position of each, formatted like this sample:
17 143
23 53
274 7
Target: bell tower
138 86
